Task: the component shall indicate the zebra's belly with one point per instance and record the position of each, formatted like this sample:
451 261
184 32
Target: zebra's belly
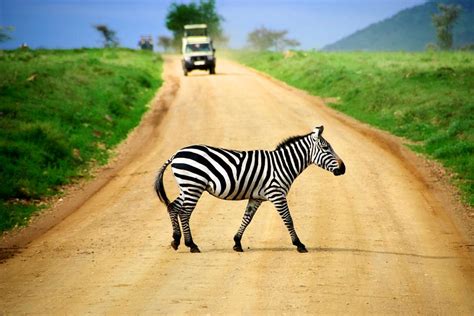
235 195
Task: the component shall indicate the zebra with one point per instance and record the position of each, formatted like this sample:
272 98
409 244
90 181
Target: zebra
256 176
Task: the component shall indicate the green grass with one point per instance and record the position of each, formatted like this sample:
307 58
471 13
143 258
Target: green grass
61 111
428 98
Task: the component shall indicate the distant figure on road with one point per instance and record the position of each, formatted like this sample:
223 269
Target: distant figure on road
146 43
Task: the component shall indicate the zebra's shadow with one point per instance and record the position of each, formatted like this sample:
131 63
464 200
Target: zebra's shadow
381 252
205 250
317 250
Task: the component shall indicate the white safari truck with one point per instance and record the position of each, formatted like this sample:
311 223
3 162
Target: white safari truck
198 51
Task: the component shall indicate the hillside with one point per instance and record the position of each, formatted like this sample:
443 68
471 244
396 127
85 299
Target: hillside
409 30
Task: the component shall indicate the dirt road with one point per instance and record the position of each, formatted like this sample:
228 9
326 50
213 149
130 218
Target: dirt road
380 239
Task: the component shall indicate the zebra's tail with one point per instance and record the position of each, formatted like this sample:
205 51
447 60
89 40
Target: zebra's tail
159 187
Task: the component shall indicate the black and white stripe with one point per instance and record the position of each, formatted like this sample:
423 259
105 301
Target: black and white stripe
257 176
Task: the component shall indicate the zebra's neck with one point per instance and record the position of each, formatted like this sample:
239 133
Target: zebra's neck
292 159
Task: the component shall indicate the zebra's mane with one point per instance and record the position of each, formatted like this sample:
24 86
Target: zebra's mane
290 140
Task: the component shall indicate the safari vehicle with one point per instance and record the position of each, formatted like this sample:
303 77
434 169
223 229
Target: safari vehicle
198 51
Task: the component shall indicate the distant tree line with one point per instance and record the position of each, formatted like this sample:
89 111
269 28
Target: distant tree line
204 12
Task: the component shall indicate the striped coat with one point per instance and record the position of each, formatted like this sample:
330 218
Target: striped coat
257 176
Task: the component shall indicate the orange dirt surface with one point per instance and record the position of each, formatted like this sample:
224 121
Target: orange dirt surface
382 239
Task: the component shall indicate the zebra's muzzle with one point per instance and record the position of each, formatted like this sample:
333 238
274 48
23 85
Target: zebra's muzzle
341 170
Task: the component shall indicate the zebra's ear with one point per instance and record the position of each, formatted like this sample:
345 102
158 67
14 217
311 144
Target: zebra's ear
318 131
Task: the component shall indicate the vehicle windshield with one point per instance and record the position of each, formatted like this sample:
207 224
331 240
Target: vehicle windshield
192 48
196 32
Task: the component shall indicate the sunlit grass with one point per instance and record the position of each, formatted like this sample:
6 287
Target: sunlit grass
61 112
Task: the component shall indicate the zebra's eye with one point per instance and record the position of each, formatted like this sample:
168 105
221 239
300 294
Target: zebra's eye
325 147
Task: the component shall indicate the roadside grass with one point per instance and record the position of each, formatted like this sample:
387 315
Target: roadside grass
61 113
426 97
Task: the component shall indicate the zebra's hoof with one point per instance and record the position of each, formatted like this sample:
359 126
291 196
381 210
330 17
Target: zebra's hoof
174 245
238 248
195 249
302 249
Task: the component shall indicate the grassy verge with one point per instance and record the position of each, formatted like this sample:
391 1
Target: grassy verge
427 98
60 113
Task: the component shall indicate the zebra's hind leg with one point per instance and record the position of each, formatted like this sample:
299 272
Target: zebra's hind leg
190 200
282 207
184 216
250 211
173 210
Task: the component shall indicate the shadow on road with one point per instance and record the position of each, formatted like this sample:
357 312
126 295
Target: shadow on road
329 250
381 252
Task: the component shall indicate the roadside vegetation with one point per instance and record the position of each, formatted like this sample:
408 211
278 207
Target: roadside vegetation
428 98
61 112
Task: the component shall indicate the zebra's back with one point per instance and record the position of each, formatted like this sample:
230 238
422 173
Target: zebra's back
226 174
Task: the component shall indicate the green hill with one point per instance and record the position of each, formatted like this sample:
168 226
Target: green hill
409 30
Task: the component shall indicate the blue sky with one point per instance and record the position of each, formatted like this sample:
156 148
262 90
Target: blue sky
69 23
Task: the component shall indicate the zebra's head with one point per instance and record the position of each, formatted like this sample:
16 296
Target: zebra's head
324 155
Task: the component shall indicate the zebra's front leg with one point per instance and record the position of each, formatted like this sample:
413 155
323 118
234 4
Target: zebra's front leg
281 206
250 211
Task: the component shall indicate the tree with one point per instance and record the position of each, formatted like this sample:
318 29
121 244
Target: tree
4 30
165 42
210 17
284 43
204 12
444 22
266 39
109 36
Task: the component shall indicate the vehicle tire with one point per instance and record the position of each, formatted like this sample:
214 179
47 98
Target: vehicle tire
185 71
212 70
